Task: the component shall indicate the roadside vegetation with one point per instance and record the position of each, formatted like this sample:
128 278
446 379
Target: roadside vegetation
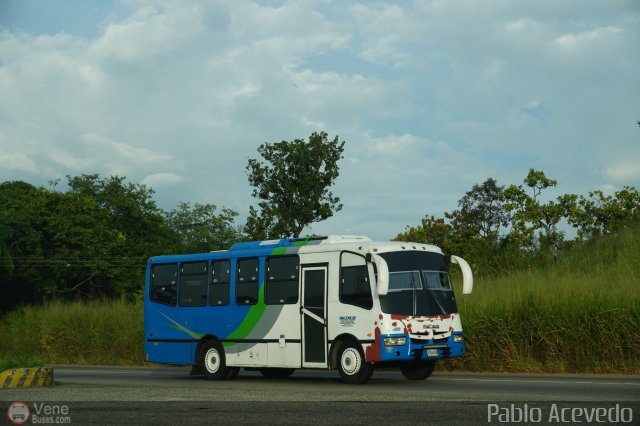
579 314
106 332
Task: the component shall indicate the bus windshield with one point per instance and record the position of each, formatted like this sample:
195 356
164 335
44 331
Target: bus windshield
418 285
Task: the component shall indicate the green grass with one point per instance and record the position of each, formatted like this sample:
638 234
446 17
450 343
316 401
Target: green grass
580 315
12 361
105 332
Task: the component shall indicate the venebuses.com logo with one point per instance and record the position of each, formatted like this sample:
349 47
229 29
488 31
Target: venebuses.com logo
20 413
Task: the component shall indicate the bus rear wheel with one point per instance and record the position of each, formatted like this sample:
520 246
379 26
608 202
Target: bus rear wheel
212 361
418 370
352 366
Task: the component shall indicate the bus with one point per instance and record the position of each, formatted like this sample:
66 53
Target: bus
339 302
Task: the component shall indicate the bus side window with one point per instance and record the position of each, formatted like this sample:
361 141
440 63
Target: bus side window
281 285
247 282
220 282
354 281
193 284
164 283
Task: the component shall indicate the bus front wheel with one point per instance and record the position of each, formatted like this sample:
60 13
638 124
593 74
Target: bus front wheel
352 366
418 370
212 361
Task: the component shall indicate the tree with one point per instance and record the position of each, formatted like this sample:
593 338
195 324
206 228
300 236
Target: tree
530 214
114 224
481 211
601 214
6 262
91 241
259 226
477 226
292 181
23 212
432 230
201 229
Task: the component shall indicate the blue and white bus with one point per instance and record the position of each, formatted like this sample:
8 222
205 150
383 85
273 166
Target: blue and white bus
338 302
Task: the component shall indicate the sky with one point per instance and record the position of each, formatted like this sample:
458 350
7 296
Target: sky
431 97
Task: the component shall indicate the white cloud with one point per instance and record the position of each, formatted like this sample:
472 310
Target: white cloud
384 29
69 161
399 146
162 179
586 39
624 172
17 161
148 32
523 26
124 152
431 97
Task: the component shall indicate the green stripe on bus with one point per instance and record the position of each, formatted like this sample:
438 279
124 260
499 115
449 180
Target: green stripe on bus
250 321
279 251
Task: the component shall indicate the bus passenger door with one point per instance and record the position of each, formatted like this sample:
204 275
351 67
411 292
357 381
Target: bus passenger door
314 318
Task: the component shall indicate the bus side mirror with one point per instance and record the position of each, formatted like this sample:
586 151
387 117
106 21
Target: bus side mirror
467 275
383 273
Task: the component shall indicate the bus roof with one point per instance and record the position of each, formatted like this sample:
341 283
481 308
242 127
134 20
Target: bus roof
358 243
296 242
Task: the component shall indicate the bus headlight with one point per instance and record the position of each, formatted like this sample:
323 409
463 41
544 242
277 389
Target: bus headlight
458 338
395 341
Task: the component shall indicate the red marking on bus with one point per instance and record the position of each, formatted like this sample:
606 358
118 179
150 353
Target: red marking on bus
372 352
398 317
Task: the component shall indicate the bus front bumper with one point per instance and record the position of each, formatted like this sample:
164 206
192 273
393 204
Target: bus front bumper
394 348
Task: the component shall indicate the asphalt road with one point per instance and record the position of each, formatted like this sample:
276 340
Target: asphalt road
115 395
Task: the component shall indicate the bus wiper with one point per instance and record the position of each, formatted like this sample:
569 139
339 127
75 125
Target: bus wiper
435 296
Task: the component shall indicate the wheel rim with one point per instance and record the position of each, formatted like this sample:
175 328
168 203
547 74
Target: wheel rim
212 360
350 361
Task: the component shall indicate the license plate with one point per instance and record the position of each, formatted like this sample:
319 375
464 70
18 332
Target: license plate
432 352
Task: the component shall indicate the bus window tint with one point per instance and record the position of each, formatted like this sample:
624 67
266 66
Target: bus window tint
437 280
405 280
247 282
193 284
354 281
281 285
220 279
354 287
164 280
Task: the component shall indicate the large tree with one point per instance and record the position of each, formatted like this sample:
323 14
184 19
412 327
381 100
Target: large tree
432 230
601 214
89 241
481 211
292 182
201 228
530 214
23 272
6 261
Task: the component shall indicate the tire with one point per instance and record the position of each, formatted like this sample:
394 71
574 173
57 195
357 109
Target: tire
418 370
352 366
212 361
276 373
